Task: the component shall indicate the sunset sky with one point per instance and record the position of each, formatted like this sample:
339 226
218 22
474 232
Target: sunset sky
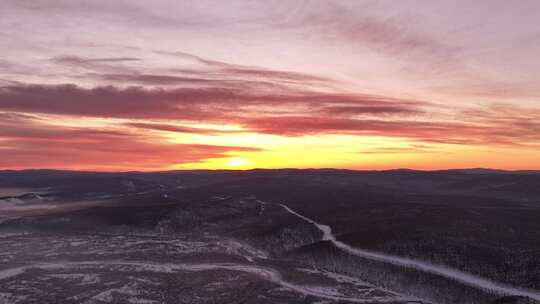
164 85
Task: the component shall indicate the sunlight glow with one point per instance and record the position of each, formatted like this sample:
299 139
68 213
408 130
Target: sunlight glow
236 162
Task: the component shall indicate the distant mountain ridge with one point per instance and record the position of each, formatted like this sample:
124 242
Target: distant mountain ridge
523 186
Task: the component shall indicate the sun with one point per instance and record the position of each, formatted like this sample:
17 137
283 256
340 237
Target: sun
236 162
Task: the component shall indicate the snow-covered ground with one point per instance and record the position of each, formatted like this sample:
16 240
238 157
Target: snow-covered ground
135 268
265 273
200 264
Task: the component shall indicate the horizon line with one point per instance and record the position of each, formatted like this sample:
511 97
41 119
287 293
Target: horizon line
276 169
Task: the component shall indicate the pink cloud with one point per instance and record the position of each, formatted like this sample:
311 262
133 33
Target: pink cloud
27 142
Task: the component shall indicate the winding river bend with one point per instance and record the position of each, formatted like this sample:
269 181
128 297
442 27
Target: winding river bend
457 275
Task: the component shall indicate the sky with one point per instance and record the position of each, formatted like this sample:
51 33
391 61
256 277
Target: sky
168 85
